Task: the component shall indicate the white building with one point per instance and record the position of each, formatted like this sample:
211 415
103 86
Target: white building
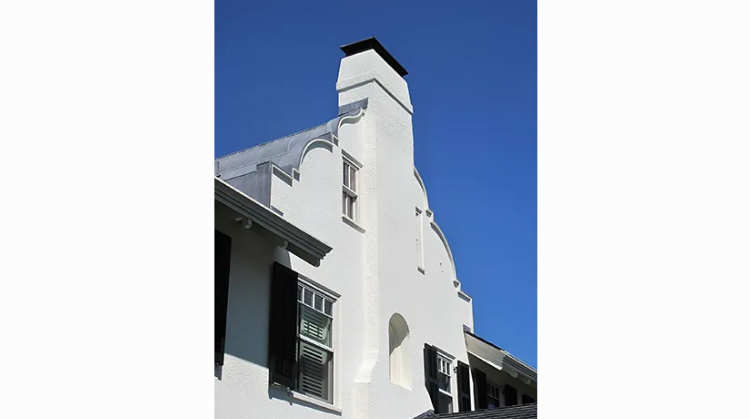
336 291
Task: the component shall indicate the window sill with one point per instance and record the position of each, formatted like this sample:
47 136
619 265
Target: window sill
353 224
317 402
445 393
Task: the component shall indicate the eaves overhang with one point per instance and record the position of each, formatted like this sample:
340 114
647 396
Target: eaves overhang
271 225
499 358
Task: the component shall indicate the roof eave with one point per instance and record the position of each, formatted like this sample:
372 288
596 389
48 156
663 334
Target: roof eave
508 361
271 225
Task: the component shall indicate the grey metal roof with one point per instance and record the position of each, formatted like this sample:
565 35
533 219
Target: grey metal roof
249 170
526 411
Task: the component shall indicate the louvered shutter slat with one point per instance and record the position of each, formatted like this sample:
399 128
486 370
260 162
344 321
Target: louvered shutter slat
314 369
315 325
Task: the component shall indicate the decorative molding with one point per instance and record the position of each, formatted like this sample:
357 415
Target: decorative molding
426 204
464 296
363 79
353 118
328 145
445 243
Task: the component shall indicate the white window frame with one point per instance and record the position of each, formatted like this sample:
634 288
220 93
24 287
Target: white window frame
497 393
350 190
326 295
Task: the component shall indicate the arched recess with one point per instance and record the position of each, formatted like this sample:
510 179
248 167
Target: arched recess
399 351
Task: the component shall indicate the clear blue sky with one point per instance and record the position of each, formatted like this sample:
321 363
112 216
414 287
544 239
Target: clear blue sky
472 79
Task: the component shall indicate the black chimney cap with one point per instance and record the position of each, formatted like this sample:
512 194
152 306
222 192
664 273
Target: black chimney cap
373 44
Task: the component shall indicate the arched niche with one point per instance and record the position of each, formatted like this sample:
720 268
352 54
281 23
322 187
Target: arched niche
399 351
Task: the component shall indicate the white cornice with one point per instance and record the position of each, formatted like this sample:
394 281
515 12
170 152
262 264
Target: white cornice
360 80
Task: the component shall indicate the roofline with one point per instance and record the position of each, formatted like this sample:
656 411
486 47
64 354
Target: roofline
530 371
295 239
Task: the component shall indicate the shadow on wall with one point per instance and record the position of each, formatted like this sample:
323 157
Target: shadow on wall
248 305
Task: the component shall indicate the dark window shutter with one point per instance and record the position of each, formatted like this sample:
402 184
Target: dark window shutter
480 389
464 388
510 395
430 372
526 399
222 260
282 333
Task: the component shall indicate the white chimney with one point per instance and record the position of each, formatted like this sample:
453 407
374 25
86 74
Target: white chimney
367 62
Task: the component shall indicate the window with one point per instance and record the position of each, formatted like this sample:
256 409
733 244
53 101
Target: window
399 354
526 399
493 396
420 257
444 373
315 345
349 194
438 371
300 343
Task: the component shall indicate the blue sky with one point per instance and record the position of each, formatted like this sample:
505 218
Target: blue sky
472 79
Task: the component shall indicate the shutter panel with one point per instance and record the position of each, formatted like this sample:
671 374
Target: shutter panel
282 333
510 395
431 374
480 389
314 365
222 261
464 388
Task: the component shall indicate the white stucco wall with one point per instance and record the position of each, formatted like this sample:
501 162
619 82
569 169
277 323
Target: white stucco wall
374 269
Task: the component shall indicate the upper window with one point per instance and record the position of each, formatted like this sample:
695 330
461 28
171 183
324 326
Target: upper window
444 373
493 396
315 343
438 371
349 194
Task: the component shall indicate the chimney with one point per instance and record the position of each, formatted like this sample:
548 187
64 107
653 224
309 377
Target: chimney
368 61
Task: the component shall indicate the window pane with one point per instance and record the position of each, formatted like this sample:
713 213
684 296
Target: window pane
350 207
299 292
353 179
308 297
315 325
318 302
314 371
343 202
346 175
444 382
328 308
